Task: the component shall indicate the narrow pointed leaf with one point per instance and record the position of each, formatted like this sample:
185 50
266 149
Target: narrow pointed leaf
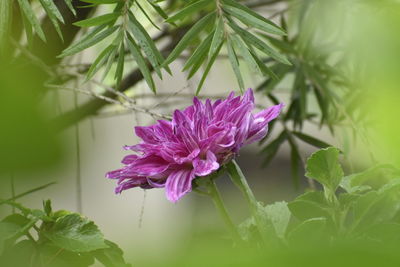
100 20
218 37
54 15
102 1
99 62
120 65
30 15
272 148
245 53
200 54
194 7
235 64
311 140
110 61
70 6
5 20
147 15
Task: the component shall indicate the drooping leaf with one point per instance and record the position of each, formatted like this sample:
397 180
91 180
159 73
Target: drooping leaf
100 61
120 65
102 1
195 6
218 37
311 140
99 20
199 55
54 14
272 148
70 6
75 233
30 15
235 64
245 53
324 167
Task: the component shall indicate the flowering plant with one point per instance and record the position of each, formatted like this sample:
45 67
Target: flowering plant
196 143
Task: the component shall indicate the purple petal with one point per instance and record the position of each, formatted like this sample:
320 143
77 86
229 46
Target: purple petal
178 184
206 166
249 95
149 165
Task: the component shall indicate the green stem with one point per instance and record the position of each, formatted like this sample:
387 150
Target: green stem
240 181
216 197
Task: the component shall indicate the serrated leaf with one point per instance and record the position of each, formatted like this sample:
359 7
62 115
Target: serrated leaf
324 167
147 44
189 37
111 256
140 61
200 54
311 140
218 37
208 67
252 40
272 148
99 62
75 233
30 15
253 21
235 64
196 6
99 20
89 40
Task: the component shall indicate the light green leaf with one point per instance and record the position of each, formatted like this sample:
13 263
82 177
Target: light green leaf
200 54
189 37
263 67
279 214
75 233
96 21
309 205
70 6
110 61
146 43
208 67
30 15
5 21
235 64
324 167
89 40
218 37
253 21
111 256
146 15
245 53
196 6
310 231
140 61
252 40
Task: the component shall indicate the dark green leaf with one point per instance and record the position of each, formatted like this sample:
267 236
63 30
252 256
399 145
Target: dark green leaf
200 54
54 14
218 37
70 6
311 140
272 148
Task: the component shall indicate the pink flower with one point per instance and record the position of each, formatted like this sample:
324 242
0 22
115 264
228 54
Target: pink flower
195 143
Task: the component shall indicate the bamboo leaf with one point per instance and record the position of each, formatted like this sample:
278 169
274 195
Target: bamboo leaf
235 64
30 15
208 67
253 21
96 21
194 7
189 37
89 40
218 37
140 61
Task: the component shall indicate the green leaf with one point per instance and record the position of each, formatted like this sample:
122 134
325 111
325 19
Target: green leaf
5 21
272 148
196 6
146 43
245 53
189 37
13 227
75 233
200 54
295 160
96 21
311 140
120 65
208 67
59 257
30 15
159 10
235 64
54 15
309 231
324 167
146 15
253 21
263 67
252 40
309 205
111 256
279 215
102 1
250 12
89 40
70 6
100 61
7 232
140 61
218 37
110 61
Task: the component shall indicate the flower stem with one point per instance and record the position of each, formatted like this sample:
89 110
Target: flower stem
216 197
240 181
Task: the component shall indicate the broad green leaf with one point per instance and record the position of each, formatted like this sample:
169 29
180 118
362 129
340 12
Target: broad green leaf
7 231
208 67
279 215
311 140
75 233
100 61
200 54
30 15
253 21
120 65
309 231
59 257
89 40
218 37
111 256
235 4
245 53
140 61
252 40
272 148
54 15
196 6
146 43
324 167
12 228
189 37
309 205
235 64
96 21
5 21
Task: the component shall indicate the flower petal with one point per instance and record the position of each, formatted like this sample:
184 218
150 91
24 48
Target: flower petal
178 184
207 166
